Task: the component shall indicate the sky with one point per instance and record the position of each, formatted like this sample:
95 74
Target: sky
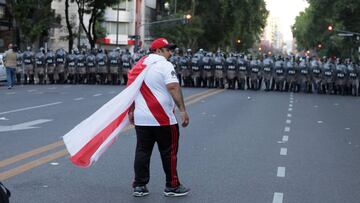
286 10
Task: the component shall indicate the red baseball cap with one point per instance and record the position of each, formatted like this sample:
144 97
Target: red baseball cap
161 43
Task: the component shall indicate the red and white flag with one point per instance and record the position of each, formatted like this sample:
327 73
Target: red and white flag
93 136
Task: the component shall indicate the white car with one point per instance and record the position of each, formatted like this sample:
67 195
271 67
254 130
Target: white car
2 69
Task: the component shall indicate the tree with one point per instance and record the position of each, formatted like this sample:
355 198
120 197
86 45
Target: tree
95 9
217 24
34 19
69 25
310 26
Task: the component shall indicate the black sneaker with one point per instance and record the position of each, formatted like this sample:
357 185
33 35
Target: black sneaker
176 192
140 191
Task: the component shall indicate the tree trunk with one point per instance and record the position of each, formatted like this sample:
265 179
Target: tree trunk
68 25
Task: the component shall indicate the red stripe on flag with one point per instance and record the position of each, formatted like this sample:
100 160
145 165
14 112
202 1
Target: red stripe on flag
154 105
82 157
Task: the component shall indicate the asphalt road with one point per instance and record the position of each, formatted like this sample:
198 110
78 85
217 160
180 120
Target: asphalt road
241 146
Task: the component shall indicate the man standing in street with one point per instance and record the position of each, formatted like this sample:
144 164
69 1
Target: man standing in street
10 64
154 120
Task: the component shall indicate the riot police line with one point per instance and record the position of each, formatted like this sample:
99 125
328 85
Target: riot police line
269 73
199 69
75 67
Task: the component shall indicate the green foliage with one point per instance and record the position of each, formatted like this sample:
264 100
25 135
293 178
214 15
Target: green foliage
96 10
217 24
310 28
34 18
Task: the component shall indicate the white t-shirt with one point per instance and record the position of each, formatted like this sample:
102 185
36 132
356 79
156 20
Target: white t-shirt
154 106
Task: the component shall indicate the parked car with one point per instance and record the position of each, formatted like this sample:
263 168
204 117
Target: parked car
2 69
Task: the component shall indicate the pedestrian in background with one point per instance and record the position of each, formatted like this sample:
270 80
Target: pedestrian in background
10 64
155 122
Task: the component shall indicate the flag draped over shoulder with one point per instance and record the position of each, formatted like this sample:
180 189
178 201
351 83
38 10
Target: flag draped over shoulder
93 136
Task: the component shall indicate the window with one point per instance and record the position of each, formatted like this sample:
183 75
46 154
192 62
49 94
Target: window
123 5
111 28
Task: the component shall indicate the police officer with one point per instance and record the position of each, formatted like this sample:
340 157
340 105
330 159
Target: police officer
174 59
114 62
81 67
340 76
126 63
230 68
29 66
196 68
19 67
71 67
316 74
40 65
353 80
102 69
50 66
208 70
219 63
185 61
279 74
328 77
267 72
60 70
91 67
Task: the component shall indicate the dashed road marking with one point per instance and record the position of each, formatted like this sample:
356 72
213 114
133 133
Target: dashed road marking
10 93
285 138
29 108
347 128
32 90
288 121
289 115
320 121
278 197
287 129
281 172
290 105
52 88
97 95
291 102
79 98
290 109
283 151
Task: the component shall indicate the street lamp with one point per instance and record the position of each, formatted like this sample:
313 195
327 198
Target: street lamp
319 46
238 41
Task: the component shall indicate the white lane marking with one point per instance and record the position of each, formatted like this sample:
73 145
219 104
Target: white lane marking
278 197
316 106
288 121
24 126
96 95
291 102
289 115
112 92
54 163
32 107
290 109
3 119
33 90
10 93
347 128
287 129
52 88
281 172
78 99
320 122
290 105
336 104
283 151
285 138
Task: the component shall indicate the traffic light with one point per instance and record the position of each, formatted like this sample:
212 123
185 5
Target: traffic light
330 28
187 19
